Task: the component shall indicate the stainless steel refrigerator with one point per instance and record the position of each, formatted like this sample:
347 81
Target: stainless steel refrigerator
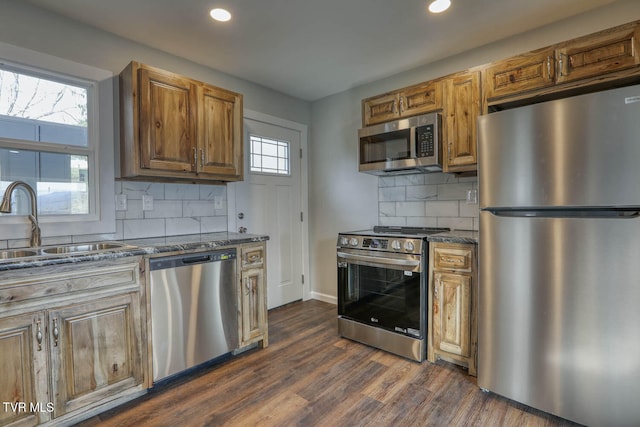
559 256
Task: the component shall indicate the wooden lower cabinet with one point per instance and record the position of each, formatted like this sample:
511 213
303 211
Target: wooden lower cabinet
453 301
24 355
97 351
253 295
66 356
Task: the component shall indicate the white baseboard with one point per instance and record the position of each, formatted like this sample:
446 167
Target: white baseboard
323 297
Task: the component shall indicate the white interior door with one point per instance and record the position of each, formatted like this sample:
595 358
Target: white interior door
268 201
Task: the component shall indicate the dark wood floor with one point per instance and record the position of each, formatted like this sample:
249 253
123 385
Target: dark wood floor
309 376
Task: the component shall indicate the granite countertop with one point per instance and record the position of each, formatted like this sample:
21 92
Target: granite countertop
455 236
134 247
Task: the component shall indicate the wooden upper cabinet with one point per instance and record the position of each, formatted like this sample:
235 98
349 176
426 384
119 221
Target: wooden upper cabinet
607 55
461 111
421 98
219 153
521 73
598 54
167 121
411 101
380 109
174 128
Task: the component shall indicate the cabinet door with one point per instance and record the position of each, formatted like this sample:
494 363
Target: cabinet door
220 133
599 54
254 305
167 121
462 109
380 109
521 73
23 371
421 98
452 313
96 351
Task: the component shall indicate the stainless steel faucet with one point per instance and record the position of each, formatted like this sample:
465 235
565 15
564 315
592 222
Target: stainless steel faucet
5 207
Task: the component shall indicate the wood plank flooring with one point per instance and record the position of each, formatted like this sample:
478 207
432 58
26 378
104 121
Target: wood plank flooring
309 376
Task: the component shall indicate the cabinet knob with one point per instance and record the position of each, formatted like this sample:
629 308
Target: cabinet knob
158 125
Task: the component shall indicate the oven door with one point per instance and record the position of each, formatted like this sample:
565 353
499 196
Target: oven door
383 290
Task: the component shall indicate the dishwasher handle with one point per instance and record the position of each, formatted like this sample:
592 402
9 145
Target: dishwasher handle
196 259
187 259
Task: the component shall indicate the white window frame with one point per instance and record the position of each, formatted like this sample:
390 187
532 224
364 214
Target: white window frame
262 172
99 149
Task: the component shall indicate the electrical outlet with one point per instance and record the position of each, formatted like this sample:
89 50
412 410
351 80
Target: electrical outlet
121 202
472 196
217 202
147 203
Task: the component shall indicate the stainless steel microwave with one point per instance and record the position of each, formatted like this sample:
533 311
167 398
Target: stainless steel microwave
405 146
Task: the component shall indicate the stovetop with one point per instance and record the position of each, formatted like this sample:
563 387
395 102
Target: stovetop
408 240
393 231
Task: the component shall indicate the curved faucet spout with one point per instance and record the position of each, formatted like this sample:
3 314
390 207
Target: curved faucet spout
5 207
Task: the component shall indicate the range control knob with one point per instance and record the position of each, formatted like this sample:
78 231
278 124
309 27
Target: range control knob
395 245
408 246
353 241
344 241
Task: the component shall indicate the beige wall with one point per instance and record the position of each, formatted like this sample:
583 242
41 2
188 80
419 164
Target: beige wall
342 199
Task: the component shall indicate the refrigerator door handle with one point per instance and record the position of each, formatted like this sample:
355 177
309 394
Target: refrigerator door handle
612 213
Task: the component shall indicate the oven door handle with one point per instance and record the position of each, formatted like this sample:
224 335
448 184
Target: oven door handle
374 261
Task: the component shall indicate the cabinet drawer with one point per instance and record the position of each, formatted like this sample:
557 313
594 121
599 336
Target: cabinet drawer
252 257
47 286
453 258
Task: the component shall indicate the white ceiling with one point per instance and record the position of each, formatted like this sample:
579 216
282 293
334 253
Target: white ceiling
310 49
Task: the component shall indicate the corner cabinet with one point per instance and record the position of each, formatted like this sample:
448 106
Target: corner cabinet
253 295
71 341
452 314
174 128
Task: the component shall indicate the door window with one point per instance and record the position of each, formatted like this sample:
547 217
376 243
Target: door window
269 156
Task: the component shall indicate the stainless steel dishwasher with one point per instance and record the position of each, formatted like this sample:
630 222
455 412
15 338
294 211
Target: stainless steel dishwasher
194 309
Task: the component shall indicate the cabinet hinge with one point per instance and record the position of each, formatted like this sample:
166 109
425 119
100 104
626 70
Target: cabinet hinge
301 153
301 216
303 279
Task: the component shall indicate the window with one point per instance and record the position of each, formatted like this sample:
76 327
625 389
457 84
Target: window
57 135
269 156
54 114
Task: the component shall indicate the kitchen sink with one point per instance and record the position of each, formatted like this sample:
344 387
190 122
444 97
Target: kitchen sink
84 247
17 253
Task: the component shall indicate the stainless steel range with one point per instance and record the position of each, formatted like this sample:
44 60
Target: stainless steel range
382 278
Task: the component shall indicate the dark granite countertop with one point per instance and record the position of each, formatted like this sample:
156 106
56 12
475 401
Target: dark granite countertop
193 242
134 247
455 236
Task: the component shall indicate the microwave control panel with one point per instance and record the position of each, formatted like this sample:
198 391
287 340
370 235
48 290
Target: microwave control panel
425 141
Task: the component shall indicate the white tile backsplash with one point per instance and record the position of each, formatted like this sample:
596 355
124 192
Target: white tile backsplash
177 209
427 200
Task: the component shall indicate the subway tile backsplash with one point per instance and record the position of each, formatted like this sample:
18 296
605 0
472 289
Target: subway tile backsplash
177 209
427 200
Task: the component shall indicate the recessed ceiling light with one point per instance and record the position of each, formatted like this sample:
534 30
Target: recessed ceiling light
221 15
438 6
